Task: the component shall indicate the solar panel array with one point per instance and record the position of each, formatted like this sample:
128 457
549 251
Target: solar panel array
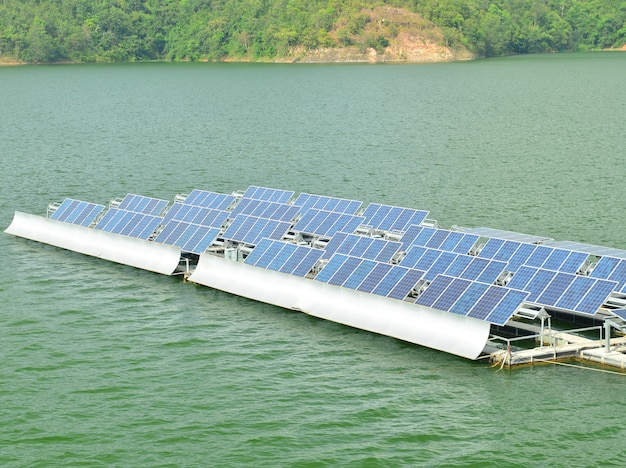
327 223
265 209
392 218
77 212
189 237
359 246
141 204
268 194
307 201
540 256
206 199
495 304
613 269
196 215
251 229
129 223
442 239
566 291
369 276
435 262
292 259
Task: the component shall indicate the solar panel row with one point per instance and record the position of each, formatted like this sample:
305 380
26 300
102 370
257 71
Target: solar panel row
268 194
613 269
265 209
196 215
205 199
307 201
141 204
561 290
189 237
129 223
327 223
251 229
359 246
296 260
435 262
77 212
442 239
392 218
369 276
495 304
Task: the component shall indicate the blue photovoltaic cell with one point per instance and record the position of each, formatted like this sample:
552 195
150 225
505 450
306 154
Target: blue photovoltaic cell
574 262
129 223
434 290
458 265
388 251
440 265
604 267
595 297
307 201
331 268
189 237
621 313
283 256
467 300
392 218
406 284
408 238
327 223
413 256
392 277
491 248
265 209
205 199
451 294
375 277
437 239
475 268
200 240
539 256
554 291
619 274
520 257
539 282
507 307
427 260
508 249
361 245
577 290
250 229
141 204
491 272
307 263
258 251
556 259
487 302
453 239
359 274
268 194
522 277
196 215
77 212
424 236
466 244
346 269
269 255
335 243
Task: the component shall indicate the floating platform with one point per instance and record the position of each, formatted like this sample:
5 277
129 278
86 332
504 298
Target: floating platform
473 292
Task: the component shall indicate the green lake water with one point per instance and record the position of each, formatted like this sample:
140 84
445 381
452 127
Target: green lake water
106 365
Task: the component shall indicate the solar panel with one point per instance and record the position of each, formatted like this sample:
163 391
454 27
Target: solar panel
331 268
522 277
189 237
307 201
574 262
556 258
268 194
555 289
465 244
77 212
456 288
506 235
491 248
392 218
619 274
538 283
434 290
508 249
595 297
196 215
296 260
453 239
505 309
258 251
468 299
251 229
491 272
485 305
475 268
458 265
408 238
141 204
621 313
604 267
129 223
359 274
412 256
374 277
265 209
327 223
600 251
206 199
520 257
405 285
440 265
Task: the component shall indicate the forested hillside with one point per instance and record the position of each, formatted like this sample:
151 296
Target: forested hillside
131 30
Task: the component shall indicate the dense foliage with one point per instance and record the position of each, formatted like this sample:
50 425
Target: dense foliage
129 30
